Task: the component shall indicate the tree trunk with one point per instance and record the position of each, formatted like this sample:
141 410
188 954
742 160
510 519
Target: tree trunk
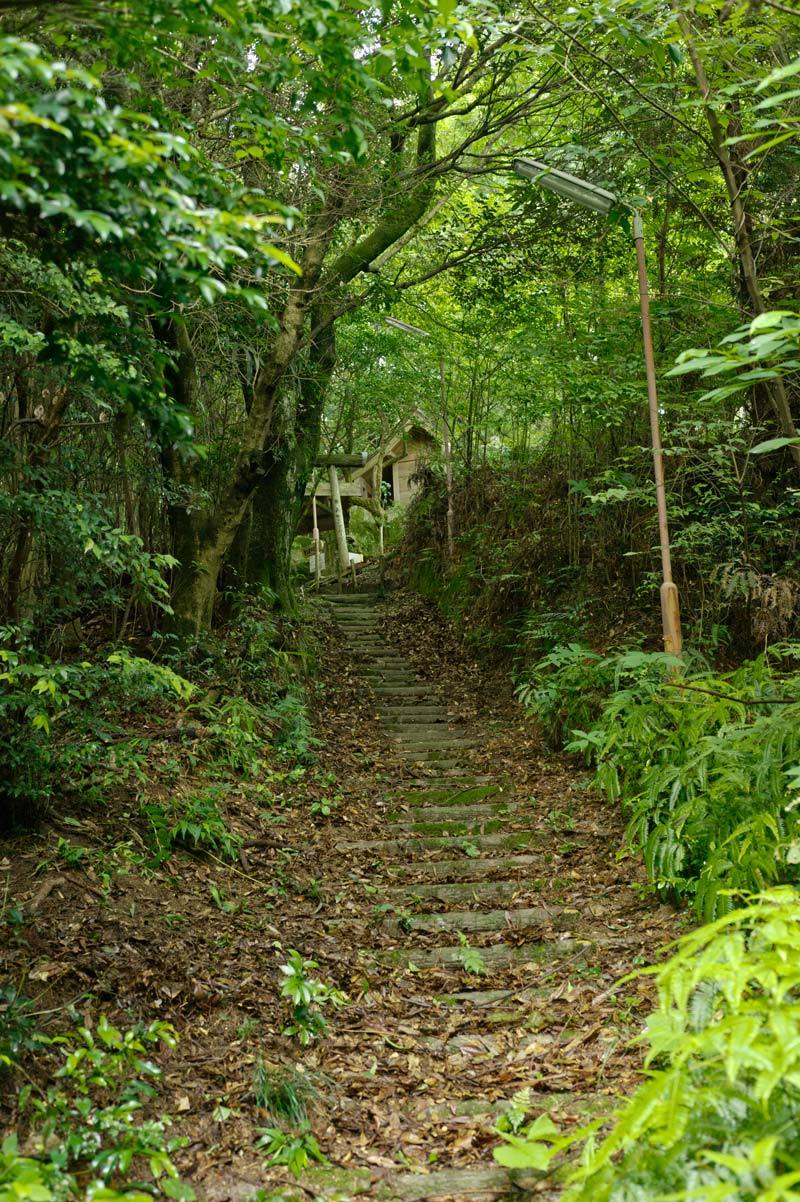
734 172
203 539
49 415
279 499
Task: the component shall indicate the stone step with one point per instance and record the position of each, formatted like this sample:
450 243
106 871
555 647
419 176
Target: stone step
443 740
437 758
414 713
441 1112
423 728
382 677
468 868
481 1184
432 843
462 1184
389 690
457 793
484 999
462 891
444 813
496 955
484 920
432 781
352 598
451 826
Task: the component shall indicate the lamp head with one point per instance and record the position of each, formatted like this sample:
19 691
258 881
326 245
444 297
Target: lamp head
397 324
590 196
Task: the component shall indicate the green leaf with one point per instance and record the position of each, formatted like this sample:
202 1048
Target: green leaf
774 444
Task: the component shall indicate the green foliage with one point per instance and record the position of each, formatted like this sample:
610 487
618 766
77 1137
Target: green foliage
565 688
284 1093
308 998
60 720
765 349
702 762
194 823
717 1117
87 1123
17 1026
294 1149
471 959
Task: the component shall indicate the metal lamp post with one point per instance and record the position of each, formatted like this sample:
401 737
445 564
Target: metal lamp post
590 196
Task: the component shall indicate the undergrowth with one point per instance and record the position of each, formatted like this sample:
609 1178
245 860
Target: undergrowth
90 1132
717 1117
705 764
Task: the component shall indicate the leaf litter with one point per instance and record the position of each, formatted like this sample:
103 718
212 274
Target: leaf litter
408 1076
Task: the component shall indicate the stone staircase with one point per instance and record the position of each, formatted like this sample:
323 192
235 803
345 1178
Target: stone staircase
457 862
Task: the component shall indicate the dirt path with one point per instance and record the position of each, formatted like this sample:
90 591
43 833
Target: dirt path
483 923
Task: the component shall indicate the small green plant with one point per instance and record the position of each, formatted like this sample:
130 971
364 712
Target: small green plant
194 823
247 1028
223 903
285 1093
308 998
403 917
325 806
471 959
17 1026
295 1149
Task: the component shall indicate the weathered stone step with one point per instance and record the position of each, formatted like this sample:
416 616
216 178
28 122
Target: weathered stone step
445 740
483 920
468 868
462 891
443 813
441 1112
440 759
482 842
422 729
351 598
384 676
376 671
413 713
451 826
435 774
388 690
463 1185
481 999
496 955
457 793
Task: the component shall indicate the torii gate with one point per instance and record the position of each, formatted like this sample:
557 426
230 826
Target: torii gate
332 462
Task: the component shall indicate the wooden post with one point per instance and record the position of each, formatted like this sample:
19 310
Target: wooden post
447 448
317 568
338 524
670 610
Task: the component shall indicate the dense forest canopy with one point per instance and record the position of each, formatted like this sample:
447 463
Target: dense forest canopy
201 200
245 243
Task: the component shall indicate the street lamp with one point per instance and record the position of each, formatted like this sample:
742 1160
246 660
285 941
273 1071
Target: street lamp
590 196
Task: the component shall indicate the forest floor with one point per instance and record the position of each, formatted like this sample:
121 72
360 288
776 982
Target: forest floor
406 1083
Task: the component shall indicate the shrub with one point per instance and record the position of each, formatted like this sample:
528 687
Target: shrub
718 1116
702 762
